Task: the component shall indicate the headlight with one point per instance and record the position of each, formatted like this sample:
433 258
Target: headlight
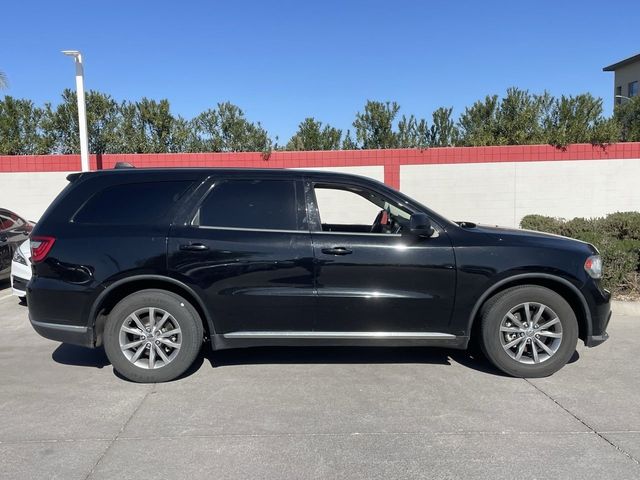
18 257
593 266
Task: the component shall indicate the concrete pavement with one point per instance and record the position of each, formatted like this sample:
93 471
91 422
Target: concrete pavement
319 413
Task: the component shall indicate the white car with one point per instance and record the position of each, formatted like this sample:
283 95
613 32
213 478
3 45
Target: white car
21 269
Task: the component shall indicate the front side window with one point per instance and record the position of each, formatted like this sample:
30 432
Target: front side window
251 204
356 210
132 204
633 89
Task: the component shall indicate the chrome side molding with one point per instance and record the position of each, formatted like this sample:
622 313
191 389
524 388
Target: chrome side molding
339 335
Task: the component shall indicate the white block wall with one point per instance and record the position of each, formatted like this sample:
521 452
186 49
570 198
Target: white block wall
29 194
493 193
502 193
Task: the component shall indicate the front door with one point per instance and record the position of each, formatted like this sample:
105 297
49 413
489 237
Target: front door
247 250
370 275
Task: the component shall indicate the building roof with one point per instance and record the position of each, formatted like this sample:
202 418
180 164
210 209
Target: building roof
622 63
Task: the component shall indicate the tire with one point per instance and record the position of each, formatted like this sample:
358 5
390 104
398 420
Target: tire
502 338
175 344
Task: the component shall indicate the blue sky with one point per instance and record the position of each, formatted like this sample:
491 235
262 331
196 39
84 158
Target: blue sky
283 61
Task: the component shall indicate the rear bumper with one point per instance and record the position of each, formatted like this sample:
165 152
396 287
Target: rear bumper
59 332
57 311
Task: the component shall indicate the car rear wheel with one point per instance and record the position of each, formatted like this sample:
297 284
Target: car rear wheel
528 331
152 336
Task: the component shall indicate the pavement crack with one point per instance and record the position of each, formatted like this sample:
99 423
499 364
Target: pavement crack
583 422
117 435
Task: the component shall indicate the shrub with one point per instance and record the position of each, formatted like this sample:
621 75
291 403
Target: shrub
616 236
623 225
542 224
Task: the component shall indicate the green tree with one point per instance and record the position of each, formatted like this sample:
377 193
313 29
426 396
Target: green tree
21 128
226 129
412 133
183 138
349 143
311 135
478 123
148 126
130 132
519 118
374 127
627 116
156 121
443 132
579 119
103 118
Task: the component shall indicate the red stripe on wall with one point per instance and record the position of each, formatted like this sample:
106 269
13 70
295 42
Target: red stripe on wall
392 175
390 159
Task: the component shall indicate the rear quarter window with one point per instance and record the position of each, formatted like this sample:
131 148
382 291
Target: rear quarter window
144 203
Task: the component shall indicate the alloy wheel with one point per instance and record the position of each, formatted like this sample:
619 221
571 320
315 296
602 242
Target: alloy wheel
150 338
531 333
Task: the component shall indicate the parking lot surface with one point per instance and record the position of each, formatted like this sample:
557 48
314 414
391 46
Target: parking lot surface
364 413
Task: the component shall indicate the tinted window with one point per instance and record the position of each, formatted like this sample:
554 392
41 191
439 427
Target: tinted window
267 204
131 203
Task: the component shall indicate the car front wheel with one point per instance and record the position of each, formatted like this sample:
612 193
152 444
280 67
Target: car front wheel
528 331
152 336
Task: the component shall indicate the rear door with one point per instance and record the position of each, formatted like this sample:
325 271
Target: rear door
245 247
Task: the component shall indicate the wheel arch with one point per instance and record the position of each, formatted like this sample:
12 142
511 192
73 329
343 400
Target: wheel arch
126 286
561 286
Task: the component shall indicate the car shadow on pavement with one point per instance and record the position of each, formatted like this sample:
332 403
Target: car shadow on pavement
74 355
77 356
349 355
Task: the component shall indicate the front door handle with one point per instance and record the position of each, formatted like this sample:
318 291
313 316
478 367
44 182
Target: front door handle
337 251
194 247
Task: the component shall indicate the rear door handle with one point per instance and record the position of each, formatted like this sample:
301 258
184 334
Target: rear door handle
194 247
337 251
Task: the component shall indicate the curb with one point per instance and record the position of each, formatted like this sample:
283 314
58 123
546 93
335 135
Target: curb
620 307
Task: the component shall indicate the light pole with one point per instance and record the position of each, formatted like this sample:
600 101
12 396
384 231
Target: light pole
82 111
622 97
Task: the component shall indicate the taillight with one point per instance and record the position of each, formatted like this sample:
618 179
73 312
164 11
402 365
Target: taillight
593 266
40 247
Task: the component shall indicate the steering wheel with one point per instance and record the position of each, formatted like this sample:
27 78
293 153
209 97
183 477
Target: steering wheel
381 219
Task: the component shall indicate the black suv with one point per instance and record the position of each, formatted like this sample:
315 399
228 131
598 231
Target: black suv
152 262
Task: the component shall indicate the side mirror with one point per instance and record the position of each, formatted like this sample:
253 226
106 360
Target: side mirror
420 225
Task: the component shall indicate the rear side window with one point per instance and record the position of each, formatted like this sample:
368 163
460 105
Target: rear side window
263 204
131 203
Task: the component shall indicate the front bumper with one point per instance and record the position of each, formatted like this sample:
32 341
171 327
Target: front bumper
599 301
19 286
20 276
